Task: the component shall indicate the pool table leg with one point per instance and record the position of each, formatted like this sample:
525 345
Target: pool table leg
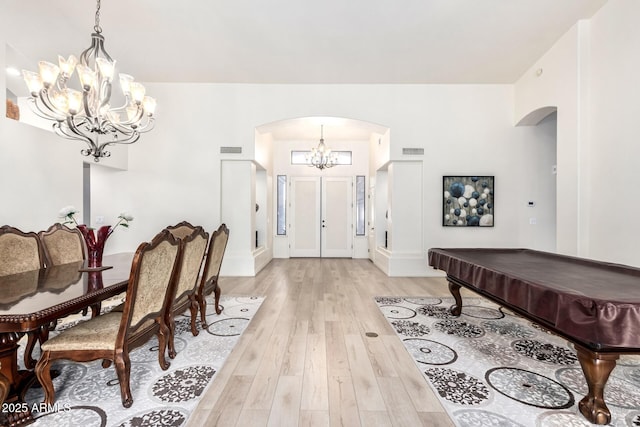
596 368
455 309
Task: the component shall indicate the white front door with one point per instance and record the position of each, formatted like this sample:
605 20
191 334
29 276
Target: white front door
337 212
321 217
304 228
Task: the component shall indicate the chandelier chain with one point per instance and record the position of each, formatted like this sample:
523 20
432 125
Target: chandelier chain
97 27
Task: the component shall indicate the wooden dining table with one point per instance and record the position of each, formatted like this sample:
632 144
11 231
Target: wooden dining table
33 301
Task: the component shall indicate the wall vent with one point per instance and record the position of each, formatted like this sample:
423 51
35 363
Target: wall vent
413 151
230 150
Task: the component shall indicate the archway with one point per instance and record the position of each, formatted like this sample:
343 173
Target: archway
543 158
275 144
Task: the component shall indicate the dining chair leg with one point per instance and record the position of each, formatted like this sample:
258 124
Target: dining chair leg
95 309
193 307
203 310
171 338
162 346
43 374
123 370
216 292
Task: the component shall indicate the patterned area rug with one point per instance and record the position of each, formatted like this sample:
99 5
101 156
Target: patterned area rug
88 395
490 367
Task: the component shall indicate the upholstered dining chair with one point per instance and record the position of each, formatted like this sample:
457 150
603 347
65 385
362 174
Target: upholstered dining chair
19 251
194 246
211 270
113 335
62 245
22 252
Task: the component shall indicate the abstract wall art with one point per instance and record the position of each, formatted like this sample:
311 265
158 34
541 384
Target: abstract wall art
468 201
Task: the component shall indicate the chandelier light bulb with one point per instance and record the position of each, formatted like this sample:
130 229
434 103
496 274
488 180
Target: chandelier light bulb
48 73
33 81
67 66
74 99
149 105
87 77
106 68
137 92
125 81
61 102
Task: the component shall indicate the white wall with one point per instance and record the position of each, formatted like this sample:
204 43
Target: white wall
590 75
174 172
404 255
615 132
39 174
555 81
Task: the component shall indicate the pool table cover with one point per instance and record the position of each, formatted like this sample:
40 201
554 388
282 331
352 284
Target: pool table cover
594 303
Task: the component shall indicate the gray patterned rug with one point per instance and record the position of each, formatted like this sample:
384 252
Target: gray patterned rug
88 395
490 367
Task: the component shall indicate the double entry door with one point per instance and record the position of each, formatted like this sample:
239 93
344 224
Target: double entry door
321 222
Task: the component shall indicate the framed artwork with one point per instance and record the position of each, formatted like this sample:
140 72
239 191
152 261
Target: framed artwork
468 201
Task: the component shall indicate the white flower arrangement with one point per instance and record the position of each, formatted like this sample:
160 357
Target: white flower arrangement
68 214
123 219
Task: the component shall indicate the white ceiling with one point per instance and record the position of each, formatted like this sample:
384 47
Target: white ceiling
298 41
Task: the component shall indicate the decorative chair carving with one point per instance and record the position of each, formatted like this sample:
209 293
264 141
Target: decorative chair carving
209 279
181 229
112 335
62 245
19 251
193 251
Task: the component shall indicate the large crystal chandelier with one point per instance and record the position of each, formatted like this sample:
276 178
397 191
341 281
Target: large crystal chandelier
321 157
88 115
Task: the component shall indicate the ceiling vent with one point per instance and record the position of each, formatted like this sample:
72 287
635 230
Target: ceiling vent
413 151
230 150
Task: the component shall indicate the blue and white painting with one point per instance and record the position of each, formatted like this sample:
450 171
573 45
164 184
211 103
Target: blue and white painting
468 201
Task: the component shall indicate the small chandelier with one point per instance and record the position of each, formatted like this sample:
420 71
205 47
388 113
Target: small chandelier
321 157
87 115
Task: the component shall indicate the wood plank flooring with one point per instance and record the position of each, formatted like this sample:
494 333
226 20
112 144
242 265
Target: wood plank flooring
305 360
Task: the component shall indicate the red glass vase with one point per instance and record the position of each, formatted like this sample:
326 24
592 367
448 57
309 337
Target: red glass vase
95 243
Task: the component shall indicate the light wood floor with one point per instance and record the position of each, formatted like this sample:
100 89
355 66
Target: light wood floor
305 360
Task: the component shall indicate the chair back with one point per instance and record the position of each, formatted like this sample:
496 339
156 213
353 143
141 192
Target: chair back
151 275
215 253
62 245
181 229
193 251
19 251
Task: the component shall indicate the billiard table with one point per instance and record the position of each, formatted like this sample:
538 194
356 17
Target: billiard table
593 304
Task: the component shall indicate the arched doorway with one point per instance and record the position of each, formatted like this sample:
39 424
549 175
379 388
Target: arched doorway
543 158
318 213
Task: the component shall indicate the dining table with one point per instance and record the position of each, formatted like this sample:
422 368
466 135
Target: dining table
32 302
